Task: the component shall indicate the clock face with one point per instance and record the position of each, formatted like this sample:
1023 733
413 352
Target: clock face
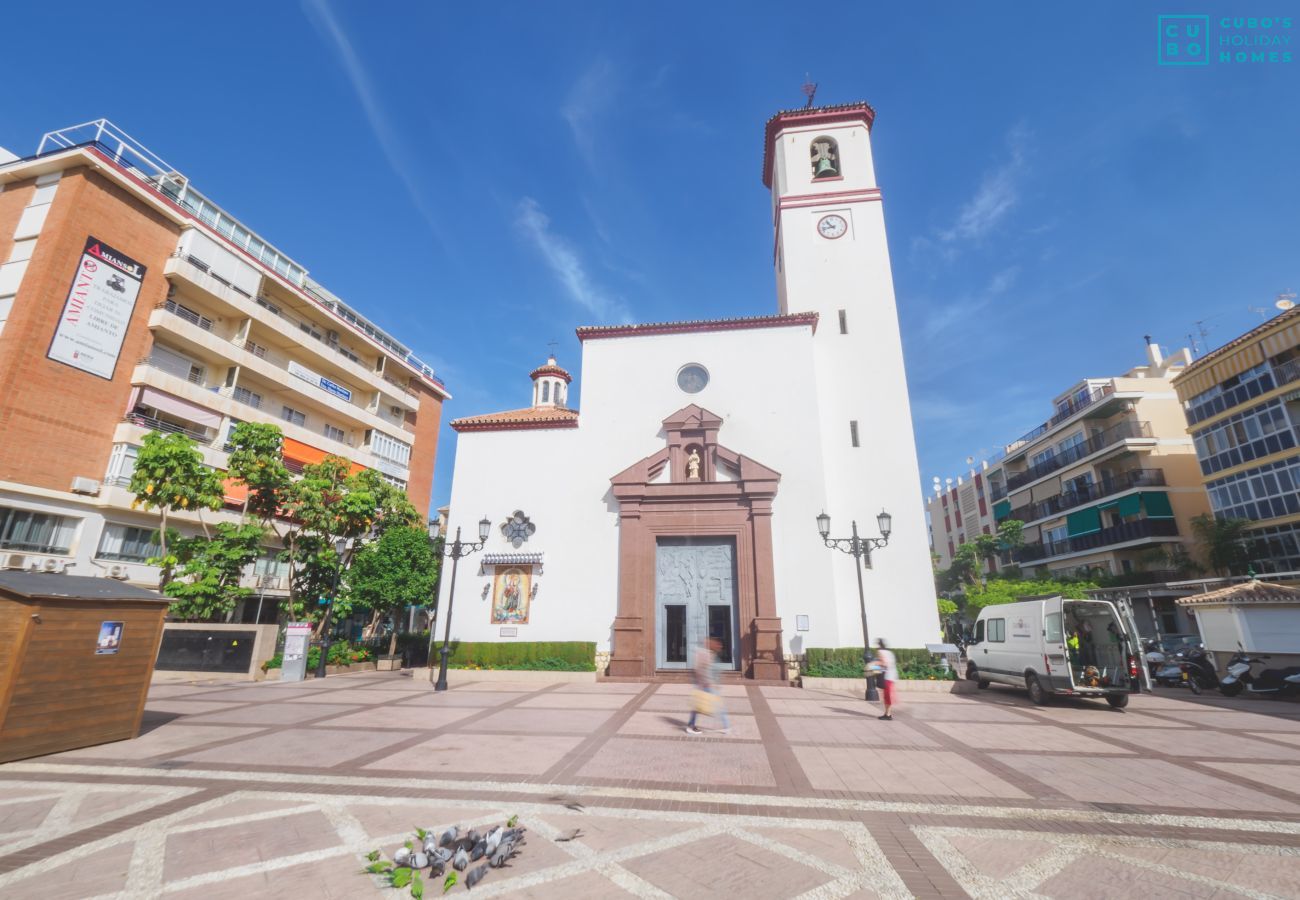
832 227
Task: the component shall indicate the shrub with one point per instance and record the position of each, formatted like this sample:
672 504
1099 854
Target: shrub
846 662
341 654
557 656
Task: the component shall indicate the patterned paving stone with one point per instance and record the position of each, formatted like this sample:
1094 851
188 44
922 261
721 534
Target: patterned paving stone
933 773
24 815
489 754
1145 781
333 878
587 886
999 857
842 730
273 713
1209 744
477 700
672 724
358 696
97 873
1087 879
688 761
1272 873
1285 777
681 703
299 747
518 720
583 700
185 707
724 865
172 738
405 716
612 832
726 690
984 736
212 849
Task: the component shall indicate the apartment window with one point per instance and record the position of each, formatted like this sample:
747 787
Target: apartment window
35 532
853 432
390 448
1229 393
269 565
256 349
1073 440
291 415
1045 456
844 321
127 543
1243 437
1264 492
121 464
244 395
395 482
335 434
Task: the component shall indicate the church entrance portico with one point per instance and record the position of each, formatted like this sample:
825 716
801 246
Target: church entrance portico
695 555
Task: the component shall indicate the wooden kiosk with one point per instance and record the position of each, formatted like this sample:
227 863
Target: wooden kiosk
76 657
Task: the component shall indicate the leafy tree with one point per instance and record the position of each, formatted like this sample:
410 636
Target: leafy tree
1223 543
257 464
1001 590
170 475
946 608
392 573
208 584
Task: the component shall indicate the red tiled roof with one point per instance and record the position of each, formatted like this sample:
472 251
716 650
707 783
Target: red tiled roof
592 332
520 419
817 115
551 370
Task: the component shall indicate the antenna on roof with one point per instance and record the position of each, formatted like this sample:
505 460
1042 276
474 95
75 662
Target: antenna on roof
809 90
1262 310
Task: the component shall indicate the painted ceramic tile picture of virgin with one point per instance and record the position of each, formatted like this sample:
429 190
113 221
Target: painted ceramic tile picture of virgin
511 593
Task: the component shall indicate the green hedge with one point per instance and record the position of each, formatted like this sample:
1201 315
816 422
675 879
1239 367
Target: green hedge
557 656
341 654
846 662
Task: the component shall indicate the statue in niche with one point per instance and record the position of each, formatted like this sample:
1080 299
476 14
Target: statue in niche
693 465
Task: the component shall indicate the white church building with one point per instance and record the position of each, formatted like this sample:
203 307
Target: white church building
681 501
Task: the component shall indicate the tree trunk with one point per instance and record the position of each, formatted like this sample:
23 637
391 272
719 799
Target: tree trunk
392 644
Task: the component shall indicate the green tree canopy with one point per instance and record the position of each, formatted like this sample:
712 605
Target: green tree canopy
170 475
392 573
257 464
1001 590
207 586
1223 543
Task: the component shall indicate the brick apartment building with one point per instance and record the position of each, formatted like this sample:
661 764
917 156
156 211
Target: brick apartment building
131 302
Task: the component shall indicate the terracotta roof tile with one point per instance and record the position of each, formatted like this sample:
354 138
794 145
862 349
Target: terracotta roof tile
520 419
1246 592
591 332
551 370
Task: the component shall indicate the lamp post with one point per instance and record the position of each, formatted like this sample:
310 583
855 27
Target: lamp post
340 547
455 550
860 549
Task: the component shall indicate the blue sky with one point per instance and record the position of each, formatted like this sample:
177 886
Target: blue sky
483 184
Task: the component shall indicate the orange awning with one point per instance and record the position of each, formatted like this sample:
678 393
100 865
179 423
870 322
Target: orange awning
307 454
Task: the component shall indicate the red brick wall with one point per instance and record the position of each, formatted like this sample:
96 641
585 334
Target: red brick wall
57 422
424 450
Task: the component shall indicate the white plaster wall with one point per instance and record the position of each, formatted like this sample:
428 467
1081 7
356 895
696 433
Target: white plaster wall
861 377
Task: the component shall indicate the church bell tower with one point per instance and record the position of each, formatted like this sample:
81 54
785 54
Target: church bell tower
831 257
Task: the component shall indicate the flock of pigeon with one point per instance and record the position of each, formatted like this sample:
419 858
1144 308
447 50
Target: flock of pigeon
454 850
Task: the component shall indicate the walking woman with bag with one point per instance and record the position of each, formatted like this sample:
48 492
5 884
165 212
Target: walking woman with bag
706 699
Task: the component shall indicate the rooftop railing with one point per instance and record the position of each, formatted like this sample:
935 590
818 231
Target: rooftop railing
1123 431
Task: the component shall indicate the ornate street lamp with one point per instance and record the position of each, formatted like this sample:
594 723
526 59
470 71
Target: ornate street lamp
860 549
340 547
455 550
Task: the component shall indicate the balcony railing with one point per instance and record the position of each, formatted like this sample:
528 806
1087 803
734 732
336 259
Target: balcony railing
1116 534
1073 406
1287 372
1065 500
194 375
199 434
188 315
998 491
1123 431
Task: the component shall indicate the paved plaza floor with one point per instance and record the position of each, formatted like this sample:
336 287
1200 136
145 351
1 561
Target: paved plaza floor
279 790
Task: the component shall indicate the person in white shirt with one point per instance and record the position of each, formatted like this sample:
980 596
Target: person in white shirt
889 666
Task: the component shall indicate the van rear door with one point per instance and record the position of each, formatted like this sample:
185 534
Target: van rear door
1056 662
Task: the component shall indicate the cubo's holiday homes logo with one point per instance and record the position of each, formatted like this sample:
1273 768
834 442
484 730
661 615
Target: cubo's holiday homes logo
1196 40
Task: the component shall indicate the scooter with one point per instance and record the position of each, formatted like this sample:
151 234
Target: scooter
1197 673
1277 682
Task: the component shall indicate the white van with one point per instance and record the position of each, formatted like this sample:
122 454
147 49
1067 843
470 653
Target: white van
1051 645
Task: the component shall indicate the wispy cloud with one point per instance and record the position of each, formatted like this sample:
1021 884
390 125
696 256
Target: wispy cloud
949 315
322 18
591 94
567 265
998 193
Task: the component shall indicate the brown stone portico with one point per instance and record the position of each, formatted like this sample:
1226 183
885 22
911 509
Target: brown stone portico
739 509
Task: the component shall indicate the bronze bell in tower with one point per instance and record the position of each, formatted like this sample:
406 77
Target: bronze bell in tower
825 167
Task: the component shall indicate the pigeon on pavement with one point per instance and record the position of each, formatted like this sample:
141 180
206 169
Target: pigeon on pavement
475 877
449 836
460 860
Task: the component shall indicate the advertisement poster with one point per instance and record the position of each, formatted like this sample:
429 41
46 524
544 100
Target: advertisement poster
94 320
110 638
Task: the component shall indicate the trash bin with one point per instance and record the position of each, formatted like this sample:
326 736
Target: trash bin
76 656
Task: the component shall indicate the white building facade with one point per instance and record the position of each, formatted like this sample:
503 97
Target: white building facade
682 502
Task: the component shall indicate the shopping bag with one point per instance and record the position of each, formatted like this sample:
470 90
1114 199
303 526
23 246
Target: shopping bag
703 702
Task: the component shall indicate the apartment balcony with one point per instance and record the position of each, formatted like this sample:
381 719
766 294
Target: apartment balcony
1100 403
193 432
1052 506
1125 533
314 340
1124 431
998 491
1287 372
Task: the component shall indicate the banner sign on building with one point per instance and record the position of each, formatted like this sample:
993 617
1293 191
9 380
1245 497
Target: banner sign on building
98 310
320 381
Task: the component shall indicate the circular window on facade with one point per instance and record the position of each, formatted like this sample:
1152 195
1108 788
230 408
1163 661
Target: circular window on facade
692 378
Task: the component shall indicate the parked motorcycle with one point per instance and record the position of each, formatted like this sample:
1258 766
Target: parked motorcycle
1197 672
1273 682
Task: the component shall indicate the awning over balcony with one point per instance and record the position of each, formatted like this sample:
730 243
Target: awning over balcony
1157 505
175 406
1083 521
305 453
1001 510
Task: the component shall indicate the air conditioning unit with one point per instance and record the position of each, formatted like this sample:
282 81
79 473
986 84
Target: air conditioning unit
119 572
396 410
331 337
82 485
14 561
51 565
